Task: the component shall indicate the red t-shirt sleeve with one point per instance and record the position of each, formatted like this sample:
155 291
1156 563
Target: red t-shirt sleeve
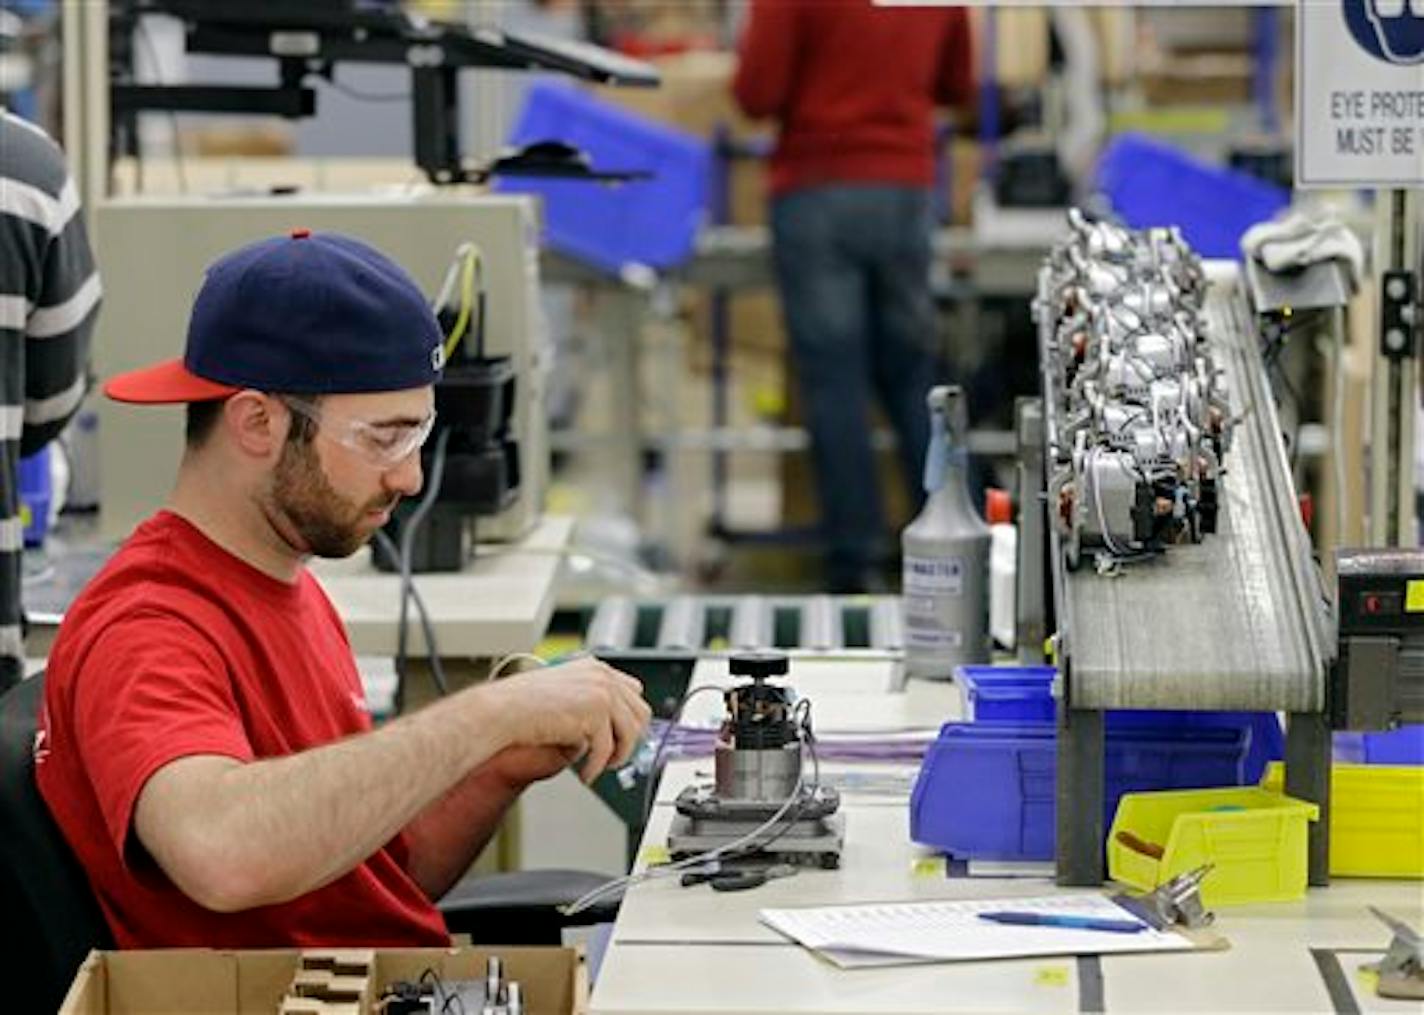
153 689
766 59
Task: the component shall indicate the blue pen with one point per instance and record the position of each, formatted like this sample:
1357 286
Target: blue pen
1076 922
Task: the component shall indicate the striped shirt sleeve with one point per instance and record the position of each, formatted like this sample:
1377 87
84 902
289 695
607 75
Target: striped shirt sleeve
49 297
58 328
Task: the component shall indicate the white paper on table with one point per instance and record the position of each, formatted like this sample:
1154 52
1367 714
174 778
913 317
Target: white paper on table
899 933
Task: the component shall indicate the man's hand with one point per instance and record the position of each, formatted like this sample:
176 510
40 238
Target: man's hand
584 706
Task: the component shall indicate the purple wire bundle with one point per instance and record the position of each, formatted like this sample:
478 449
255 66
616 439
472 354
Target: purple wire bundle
685 741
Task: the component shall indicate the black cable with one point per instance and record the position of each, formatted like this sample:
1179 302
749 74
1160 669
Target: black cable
407 545
356 93
443 994
1280 372
655 770
427 626
454 996
808 793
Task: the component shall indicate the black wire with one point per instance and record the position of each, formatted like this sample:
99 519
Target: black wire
807 795
427 626
444 994
655 770
356 93
454 995
1289 385
407 542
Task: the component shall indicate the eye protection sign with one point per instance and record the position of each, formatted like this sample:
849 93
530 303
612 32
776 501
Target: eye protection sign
1359 93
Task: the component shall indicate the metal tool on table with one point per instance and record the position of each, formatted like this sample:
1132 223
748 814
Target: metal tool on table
737 878
1175 903
1401 971
760 779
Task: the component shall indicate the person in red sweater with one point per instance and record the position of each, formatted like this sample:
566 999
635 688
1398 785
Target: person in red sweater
204 744
853 89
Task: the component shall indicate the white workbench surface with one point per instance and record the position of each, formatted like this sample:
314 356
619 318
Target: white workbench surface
689 951
500 603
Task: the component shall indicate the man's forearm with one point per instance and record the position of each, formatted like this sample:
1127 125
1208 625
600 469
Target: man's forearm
448 836
273 830
233 836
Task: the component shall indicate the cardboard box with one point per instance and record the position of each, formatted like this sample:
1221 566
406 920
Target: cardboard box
696 96
188 981
1181 78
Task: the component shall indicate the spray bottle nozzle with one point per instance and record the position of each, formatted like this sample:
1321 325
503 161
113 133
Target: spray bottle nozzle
945 405
937 455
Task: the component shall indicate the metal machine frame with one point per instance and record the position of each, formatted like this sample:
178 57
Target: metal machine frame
1245 606
307 39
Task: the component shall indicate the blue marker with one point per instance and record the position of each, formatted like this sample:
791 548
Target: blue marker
1075 922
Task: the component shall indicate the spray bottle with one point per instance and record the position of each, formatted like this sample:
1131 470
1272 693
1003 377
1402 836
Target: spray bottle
946 554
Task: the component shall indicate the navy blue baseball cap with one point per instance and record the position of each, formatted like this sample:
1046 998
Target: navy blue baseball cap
302 314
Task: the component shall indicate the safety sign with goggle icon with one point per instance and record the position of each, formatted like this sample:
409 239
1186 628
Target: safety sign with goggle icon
1360 93
1389 30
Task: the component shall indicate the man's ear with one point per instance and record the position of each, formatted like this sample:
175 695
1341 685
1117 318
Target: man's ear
256 423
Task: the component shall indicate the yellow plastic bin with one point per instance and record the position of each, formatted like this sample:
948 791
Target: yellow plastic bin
1376 819
1255 839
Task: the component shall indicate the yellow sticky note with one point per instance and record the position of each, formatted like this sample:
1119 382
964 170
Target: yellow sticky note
1367 977
1050 976
927 867
655 854
1414 596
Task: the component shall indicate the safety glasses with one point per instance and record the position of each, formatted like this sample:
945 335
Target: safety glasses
384 445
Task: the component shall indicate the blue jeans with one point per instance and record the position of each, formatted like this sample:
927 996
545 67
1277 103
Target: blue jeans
852 263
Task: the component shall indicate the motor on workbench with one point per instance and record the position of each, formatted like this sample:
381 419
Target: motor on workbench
761 800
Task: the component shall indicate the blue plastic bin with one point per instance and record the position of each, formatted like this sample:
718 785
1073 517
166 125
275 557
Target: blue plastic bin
36 491
1007 693
653 221
1404 746
1149 183
1348 748
1024 694
987 792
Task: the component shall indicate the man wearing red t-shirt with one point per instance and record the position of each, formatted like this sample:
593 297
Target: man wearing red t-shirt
203 743
853 89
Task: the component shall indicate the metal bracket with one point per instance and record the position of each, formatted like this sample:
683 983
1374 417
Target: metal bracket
1401 971
1176 903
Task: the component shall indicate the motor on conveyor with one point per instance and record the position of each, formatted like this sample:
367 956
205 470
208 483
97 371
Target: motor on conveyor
761 780
1140 421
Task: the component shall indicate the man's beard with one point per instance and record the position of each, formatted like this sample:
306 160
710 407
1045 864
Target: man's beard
329 524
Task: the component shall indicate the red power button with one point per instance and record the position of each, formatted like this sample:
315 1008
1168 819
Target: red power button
1383 603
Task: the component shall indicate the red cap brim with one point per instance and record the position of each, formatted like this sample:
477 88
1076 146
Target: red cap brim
165 383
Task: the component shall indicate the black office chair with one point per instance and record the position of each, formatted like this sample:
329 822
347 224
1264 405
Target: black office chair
51 911
522 907
49 908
